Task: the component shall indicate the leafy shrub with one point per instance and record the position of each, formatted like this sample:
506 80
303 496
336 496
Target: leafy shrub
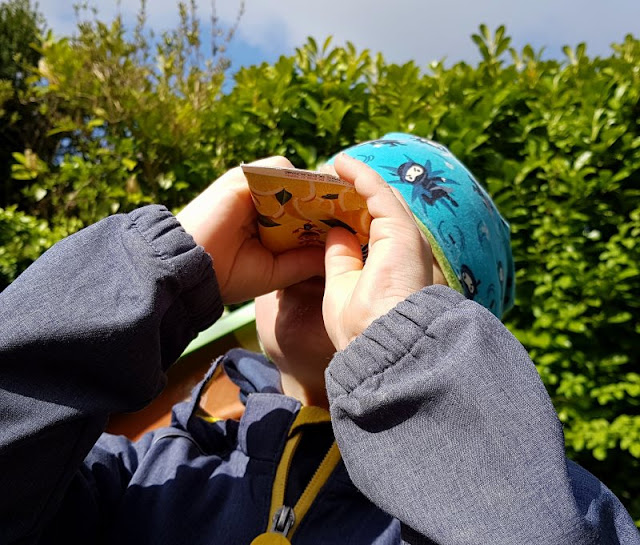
556 143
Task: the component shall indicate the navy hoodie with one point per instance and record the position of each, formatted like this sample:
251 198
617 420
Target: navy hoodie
446 431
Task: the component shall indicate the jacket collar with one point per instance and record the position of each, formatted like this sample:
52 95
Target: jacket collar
253 374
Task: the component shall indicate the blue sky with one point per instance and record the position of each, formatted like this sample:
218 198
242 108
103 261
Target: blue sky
419 30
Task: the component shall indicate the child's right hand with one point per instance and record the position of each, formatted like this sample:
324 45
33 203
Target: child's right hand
223 220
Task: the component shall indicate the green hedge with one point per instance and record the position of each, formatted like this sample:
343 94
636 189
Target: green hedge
555 142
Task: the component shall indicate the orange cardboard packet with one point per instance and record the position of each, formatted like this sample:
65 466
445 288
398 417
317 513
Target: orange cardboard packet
298 207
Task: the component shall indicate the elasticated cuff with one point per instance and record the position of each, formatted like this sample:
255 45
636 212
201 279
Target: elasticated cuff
188 263
389 338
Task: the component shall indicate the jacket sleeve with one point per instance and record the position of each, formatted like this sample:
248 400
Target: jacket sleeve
444 423
88 330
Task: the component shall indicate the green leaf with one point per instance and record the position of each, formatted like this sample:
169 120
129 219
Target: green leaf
129 164
600 453
19 157
94 123
22 174
484 30
582 160
620 318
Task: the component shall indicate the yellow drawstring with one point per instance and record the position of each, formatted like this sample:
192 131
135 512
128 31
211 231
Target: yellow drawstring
306 416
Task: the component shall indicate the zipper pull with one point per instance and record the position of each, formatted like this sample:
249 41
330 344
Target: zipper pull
283 520
281 525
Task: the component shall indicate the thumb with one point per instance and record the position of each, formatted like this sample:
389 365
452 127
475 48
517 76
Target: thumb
343 254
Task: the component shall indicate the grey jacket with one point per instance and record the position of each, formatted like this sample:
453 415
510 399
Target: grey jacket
443 423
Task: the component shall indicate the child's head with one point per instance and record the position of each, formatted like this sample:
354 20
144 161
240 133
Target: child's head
469 239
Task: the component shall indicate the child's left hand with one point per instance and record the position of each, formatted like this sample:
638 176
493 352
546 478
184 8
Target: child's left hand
399 263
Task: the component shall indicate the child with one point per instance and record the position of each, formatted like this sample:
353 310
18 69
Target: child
446 433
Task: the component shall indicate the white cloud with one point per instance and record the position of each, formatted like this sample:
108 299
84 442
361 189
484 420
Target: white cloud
401 29
427 30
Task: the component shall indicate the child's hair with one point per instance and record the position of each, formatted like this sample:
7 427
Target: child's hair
469 237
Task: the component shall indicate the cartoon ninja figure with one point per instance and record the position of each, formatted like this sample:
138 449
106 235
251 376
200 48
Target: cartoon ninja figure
426 183
469 282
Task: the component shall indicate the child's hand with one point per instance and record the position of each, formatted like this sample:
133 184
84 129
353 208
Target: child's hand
399 261
222 219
